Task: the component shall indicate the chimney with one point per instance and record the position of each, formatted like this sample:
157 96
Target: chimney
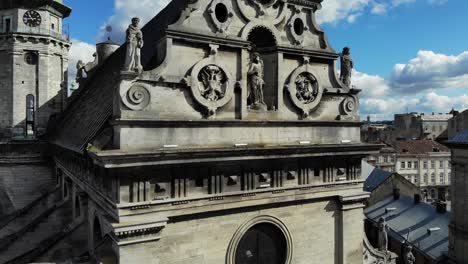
417 198
441 207
396 194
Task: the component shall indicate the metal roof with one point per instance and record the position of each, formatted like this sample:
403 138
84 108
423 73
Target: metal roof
375 178
417 219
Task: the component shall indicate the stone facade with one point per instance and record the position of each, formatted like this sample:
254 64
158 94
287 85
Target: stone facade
35 60
235 142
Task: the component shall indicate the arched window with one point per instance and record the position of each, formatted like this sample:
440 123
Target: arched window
262 243
30 114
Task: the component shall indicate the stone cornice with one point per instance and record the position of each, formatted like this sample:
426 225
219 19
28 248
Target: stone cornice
155 157
196 37
242 199
37 37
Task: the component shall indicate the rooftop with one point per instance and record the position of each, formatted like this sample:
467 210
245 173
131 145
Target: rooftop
413 221
418 147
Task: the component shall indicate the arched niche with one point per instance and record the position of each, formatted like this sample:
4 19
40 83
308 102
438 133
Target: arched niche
263 40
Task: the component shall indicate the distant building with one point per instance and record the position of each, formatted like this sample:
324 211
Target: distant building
410 222
457 123
426 164
422 126
385 159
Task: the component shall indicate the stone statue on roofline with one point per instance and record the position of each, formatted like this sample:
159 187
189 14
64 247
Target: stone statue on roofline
134 41
383 235
409 257
346 66
256 83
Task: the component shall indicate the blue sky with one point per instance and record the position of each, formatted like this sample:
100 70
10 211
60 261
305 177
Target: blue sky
409 54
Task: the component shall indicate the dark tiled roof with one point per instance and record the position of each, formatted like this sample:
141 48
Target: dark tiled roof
376 178
418 146
460 138
417 218
92 105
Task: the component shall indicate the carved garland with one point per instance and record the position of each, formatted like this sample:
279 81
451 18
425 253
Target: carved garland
211 84
304 89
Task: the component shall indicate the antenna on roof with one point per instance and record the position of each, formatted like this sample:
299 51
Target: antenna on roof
108 30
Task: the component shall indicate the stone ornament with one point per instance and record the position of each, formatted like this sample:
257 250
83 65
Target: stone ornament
211 84
221 15
350 105
347 66
137 97
297 26
134 41
304 89
272 12
409 256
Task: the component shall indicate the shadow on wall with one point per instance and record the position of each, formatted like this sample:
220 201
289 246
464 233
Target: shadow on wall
6 205
38 118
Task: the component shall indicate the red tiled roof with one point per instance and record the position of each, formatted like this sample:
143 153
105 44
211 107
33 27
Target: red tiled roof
418 146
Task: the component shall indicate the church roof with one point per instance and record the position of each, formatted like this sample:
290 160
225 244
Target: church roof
91 106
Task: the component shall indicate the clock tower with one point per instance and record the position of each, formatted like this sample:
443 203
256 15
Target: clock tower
34 59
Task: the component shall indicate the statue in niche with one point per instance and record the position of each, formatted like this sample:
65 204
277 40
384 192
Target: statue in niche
383 235
306 88
346 66
213 81
409 257
256 83
134 43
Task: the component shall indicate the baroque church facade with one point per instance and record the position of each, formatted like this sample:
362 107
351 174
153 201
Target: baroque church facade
219 133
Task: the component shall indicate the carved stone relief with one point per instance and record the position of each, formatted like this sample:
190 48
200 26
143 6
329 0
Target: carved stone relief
137 97
304 89
297 26
221 15
211 84
272 10
350 105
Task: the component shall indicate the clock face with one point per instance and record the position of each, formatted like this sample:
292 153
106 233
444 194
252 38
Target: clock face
32 18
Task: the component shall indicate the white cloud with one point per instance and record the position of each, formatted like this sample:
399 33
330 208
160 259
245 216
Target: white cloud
79 51
402 2
437 2
430 70
379 8
336 10
125 10
371 85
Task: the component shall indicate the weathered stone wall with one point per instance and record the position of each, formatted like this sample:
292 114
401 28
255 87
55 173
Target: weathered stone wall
22 184
314 227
